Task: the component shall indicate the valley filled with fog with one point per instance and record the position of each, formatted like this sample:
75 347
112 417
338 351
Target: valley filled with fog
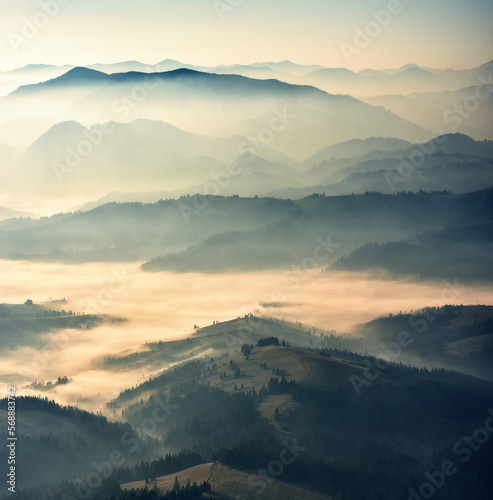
166 306
205 267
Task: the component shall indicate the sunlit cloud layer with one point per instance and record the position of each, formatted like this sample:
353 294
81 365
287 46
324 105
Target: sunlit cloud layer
165 306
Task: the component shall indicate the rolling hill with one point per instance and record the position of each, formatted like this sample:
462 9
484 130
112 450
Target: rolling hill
449 172
371 217
356 148
21 325
190 233
8 213
226 482
224 341
232 419
447 337
245 408
215 340
133 231
454 163
333 164
468 252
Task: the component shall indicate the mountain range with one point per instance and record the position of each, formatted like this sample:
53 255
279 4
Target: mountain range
188 234
369 82
225 418
181 130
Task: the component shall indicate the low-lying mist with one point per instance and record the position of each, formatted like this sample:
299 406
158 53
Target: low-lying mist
166 306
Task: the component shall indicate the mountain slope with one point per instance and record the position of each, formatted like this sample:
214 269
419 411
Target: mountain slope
440 172
143 155
62 443
451 337
347 219
8 213
218 340
452 111
338 162
405 80
22 325
355 148
73 78
133 231
249 233
333 410
227 483
468 252
202 102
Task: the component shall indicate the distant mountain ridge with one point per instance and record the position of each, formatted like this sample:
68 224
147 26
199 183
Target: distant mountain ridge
191 233
467 110
468 250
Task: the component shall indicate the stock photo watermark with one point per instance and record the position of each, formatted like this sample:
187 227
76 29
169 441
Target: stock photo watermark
221 180
121 109
116 283
391 352
225 7
455 115
131 441
275 469
292 280
31 26
364 36
465 449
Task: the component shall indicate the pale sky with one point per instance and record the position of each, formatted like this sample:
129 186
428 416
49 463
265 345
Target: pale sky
436 33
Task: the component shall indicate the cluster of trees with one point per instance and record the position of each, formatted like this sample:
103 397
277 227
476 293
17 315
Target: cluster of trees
110 490
432 329
355 444
268 341
30 310
191 368
422 254
48 385
339 429
164 466
65 451
207 420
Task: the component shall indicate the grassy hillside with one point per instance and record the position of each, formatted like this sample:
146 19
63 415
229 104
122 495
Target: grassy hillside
227 483
351 422
351 418
452 337
214 341
465 347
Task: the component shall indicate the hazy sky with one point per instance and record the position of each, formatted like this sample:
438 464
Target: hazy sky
439 33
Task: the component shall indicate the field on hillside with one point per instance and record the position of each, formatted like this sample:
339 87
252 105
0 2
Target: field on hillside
228 483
